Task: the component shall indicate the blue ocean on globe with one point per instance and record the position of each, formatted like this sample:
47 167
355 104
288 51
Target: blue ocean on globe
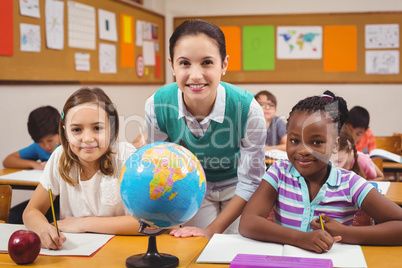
162 184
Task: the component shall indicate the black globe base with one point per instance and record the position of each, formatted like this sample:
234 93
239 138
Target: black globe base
151 259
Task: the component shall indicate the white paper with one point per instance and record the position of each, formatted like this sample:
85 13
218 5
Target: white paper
77 244
107 58
30 8
81 26
138 33
54 13
381 186
382 62
24 175
148 51
222 248
299 42
107 25
276 154
82 62
29 37
382 35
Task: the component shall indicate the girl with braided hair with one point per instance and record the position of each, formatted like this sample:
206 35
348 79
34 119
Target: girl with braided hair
308 185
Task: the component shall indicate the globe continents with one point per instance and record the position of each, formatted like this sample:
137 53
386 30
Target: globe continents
162 184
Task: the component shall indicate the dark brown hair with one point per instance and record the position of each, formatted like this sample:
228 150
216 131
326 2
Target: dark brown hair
68 158
267 94
43 121
347 143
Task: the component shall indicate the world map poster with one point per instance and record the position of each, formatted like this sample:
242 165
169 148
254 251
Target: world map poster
299 42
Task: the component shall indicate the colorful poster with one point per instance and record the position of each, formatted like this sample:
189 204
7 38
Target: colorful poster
30 37
382 35
127 41
6 28
340 48
233 47
107 25
258 48
299 42
382 62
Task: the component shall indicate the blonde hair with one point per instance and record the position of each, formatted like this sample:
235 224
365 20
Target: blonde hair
68 159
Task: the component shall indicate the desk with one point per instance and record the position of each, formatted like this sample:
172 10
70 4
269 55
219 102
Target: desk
392 167
394 192
118 249
27 185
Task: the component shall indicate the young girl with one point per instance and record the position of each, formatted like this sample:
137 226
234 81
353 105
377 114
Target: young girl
84 171
221 124
308 185
276 128
349 158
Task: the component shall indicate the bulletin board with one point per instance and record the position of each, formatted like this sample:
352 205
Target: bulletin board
112 51
354 47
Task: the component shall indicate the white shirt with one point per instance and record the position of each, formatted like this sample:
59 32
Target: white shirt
251 165
98 196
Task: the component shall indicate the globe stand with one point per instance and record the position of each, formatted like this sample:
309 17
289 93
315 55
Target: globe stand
152 258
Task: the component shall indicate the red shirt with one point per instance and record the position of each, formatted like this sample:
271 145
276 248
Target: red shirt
367 142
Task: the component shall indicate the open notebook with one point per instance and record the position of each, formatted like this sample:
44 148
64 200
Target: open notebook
24 175
82 244
223 248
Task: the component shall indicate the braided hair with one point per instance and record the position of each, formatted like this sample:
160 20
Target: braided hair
336 107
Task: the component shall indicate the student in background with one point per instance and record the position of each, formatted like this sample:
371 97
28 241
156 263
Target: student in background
308 185
84 172
220 123
349 158
43 124
276 128
358 123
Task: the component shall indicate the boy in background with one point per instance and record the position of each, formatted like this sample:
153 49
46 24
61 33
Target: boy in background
43 125
358 124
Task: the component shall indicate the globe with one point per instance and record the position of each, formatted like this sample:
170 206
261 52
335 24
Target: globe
162 184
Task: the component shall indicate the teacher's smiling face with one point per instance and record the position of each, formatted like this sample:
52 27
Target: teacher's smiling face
198 68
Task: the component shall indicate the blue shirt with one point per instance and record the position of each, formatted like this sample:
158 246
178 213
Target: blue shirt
34 152
340 197
275 132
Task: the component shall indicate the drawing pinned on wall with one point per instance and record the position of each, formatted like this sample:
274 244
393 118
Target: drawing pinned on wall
30 8
148 50
81 26
382 62
138 33
54 14
107 58
107 25
30 37
299 42
382 35
82 62
258 48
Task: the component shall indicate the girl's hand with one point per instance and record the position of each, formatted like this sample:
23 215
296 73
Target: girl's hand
72 225
332 226
50 239
190 231
319 241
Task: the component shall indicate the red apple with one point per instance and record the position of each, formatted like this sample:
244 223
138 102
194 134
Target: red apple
24 246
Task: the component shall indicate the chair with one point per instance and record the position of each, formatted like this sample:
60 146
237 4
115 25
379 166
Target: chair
378 162
5 202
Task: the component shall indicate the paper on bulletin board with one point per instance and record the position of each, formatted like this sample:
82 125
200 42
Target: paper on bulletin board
30 8
54 14
148 50
6 28
107 25
382 61
382 35
127 41
82 61
81 26
258 48
138 33
107 58
340 48
30 37
233 46
299 42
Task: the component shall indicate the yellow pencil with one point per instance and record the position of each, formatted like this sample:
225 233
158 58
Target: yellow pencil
322 224
54 215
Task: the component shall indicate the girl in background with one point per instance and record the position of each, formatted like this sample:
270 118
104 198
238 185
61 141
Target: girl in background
84 172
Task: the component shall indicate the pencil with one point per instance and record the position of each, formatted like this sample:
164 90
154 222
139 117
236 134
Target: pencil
54 215
322 224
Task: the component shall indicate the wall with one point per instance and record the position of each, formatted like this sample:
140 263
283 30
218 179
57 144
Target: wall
382 101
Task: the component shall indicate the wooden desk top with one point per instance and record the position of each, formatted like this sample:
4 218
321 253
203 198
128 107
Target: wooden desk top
394 192
29 184
118 249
